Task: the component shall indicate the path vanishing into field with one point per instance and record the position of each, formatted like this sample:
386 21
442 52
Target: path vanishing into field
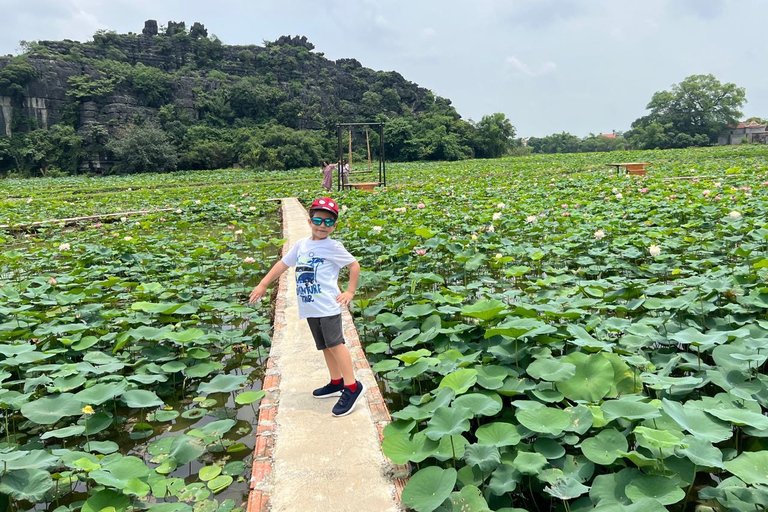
305 459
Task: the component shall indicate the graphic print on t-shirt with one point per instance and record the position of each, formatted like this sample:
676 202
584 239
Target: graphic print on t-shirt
306 277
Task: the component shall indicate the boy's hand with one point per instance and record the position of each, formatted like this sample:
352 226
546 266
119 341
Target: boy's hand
257 293
345 298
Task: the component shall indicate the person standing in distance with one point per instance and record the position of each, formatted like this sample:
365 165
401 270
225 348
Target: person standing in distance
318 260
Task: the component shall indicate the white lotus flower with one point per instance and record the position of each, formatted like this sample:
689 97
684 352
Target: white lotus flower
501 205
497 216
64 247
654 249
377 229
599 234
531 219
128 238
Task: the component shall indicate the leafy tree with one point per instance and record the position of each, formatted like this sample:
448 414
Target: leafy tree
556 143
143 149
494 136
14 77
694 112
58 148
153 83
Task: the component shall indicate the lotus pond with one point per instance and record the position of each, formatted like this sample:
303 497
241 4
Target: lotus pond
130 365
565 338
558 337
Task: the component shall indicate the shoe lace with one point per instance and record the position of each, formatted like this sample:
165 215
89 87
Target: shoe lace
345 396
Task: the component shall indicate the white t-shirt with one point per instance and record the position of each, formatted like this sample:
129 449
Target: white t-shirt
317 265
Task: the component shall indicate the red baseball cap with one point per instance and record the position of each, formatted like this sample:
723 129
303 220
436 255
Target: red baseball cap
325 203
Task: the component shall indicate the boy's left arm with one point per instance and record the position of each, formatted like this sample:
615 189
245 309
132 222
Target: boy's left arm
345 298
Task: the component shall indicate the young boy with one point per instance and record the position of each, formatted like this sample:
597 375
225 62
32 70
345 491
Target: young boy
318 260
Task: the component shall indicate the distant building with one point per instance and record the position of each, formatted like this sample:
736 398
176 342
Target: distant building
752 132
609 135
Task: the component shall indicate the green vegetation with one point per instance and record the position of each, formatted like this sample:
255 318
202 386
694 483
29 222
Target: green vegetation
553 336
224 106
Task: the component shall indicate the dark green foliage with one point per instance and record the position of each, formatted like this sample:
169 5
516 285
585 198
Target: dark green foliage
143 149
494 136
152 83
41 152
14 77
272 106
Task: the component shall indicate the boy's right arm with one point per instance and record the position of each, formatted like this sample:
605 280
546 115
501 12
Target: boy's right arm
261 288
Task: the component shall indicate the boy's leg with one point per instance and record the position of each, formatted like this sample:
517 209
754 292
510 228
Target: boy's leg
338 358
330 362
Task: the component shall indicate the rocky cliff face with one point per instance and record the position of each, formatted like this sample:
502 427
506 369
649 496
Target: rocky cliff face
196 65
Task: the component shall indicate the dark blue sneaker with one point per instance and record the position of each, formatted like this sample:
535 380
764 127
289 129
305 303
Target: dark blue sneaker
348 400
329 390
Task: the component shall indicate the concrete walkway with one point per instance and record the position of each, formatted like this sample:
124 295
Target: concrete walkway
305 459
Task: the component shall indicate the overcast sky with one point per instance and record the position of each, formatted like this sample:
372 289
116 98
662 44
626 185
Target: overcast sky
581 66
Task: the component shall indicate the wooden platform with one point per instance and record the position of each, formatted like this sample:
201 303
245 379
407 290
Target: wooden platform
633 168
364 186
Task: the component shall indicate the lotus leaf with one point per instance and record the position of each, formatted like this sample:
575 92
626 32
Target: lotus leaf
428 488
193 492
104 499
481 404
101 392
651 437
504 479
696 421
484 309
448 421
629 408
104 447
50 409
547 420
459 381
469 499
484 456
62 433
566 489
529 463
234 468
120 471
401 448
136 487
222 384
549 448
660 488
451 447
551 370
491 377
593 379
498 434
751 467
162 415
741 417
141 399
209 472
605 447
23 459
185 448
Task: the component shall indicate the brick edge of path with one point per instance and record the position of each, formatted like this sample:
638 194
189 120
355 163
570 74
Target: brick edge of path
258 498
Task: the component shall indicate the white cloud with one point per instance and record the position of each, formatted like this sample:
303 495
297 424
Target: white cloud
522 67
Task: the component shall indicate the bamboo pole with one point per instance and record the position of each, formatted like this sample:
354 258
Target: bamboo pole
368 143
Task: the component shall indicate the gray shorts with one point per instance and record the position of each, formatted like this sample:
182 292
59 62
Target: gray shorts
327 331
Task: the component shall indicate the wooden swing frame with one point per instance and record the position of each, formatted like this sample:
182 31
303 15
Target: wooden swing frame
350 128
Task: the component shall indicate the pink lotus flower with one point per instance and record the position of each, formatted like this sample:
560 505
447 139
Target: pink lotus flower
97 225
399 210
420 252
566 214
230 227
705 193
249 260
643 190
52 281
421 206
